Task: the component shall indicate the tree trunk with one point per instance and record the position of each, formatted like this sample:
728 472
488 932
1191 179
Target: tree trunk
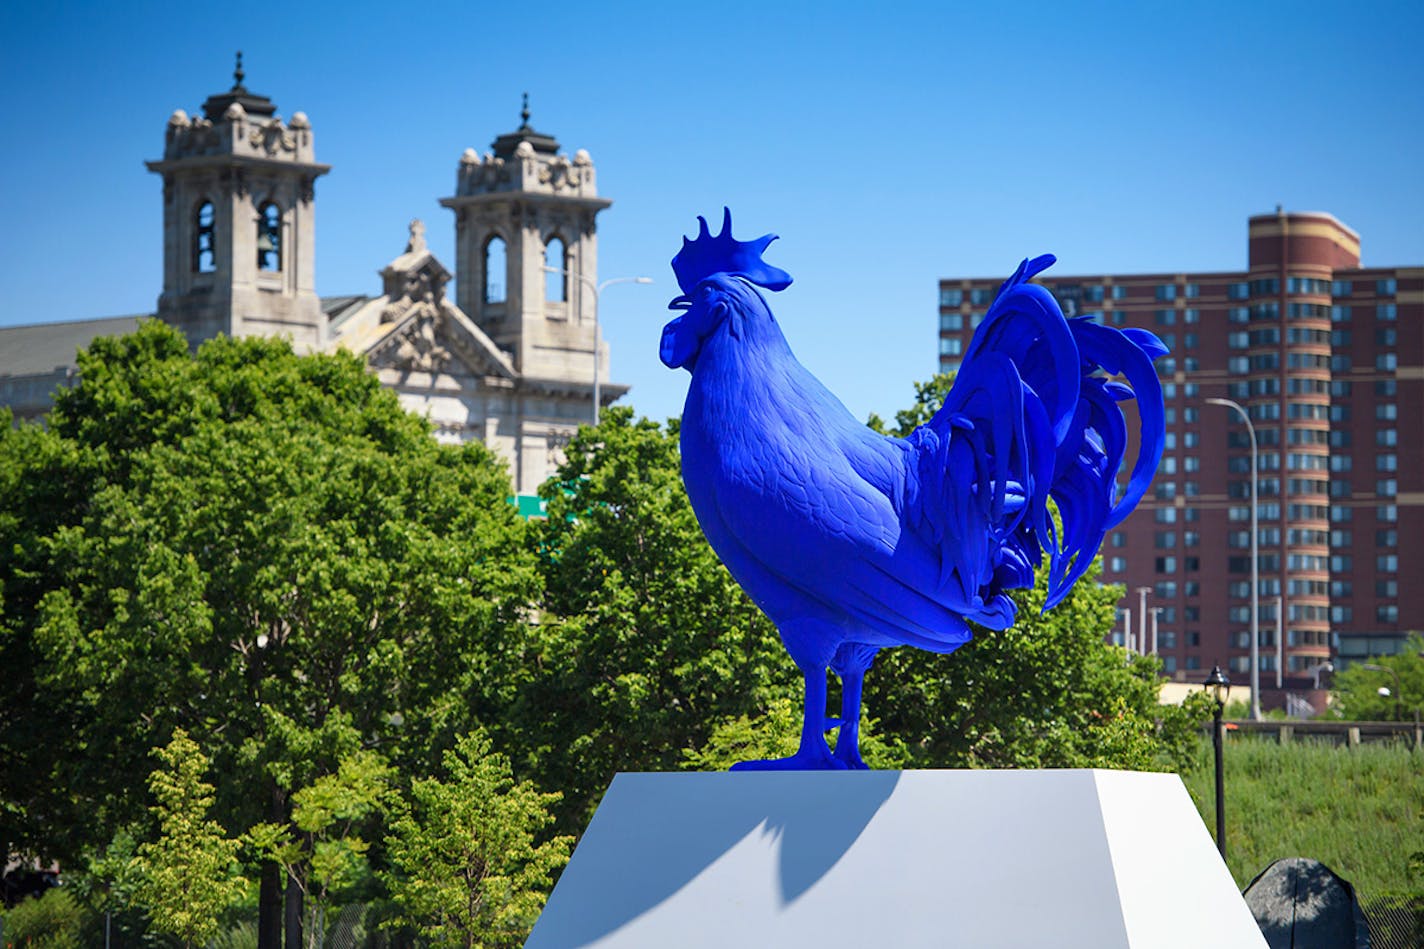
269 895
294 915
269 908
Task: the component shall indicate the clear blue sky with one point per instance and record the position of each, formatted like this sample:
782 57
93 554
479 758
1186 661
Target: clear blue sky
887 146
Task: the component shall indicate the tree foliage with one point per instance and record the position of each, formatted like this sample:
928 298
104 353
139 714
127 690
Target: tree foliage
466 865
1049 692
53 920
189 873
1356 689
646 642
322 850
929 396
262 549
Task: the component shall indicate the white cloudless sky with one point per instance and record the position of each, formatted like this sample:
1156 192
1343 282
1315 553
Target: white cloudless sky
889 145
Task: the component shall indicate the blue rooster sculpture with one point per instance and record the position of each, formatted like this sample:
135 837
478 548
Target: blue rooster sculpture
851 541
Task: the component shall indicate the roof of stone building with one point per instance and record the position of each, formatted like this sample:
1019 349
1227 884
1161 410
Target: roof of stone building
44 347
505 145
251 102
338 309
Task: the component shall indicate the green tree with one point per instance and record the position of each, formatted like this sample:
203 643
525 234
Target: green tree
1356 690
646 643
263 549
189 874
322 850
41 488
1049 692
466 868
929 396
54 920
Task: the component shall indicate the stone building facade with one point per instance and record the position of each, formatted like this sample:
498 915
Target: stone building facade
511 364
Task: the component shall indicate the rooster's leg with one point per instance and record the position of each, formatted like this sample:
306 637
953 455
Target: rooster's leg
813 754
850 664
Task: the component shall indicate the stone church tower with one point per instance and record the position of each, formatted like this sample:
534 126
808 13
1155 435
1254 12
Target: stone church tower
511 366
238 227
522 211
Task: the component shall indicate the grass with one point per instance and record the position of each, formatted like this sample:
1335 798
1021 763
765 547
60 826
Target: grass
1359 811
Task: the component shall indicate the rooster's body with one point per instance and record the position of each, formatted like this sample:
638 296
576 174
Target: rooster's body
850 541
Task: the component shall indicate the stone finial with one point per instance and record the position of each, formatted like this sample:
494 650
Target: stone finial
581 157
235 111
524 113
470 157
417 237
179 117
237 74
524 150
300 121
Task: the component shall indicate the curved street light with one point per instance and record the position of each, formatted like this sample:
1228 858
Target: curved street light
1255 564
1142 619
597 289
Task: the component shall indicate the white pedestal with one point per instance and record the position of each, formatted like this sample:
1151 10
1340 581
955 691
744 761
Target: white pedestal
974 859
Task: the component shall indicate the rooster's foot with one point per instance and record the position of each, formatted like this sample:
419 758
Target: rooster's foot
801 761
851 760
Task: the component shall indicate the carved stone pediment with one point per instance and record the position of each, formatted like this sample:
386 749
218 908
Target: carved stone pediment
429 334
417 346
414 278
419 287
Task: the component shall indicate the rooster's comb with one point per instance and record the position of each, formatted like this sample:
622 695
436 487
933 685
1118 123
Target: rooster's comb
708 255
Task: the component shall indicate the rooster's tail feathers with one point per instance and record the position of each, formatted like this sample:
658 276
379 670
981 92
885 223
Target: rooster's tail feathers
1089 458
1060 435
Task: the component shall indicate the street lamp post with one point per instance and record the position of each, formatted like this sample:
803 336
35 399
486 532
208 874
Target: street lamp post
1142 619
1220 687
1280 640
597 289
1255 564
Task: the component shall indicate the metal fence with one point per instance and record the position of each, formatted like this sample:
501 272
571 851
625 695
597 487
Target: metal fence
1395 922
1342 733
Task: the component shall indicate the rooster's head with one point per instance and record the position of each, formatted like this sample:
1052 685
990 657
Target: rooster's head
706 270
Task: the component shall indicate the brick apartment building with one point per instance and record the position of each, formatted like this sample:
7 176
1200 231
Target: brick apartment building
1327 358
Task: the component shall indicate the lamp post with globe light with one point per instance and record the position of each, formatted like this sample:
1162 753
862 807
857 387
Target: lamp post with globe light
1219 687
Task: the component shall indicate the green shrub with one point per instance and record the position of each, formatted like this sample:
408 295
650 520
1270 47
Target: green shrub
242 935
51 921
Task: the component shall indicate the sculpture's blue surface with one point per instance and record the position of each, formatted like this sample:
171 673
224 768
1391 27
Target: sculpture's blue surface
850 541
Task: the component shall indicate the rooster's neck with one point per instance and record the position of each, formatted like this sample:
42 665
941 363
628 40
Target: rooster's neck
747 383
